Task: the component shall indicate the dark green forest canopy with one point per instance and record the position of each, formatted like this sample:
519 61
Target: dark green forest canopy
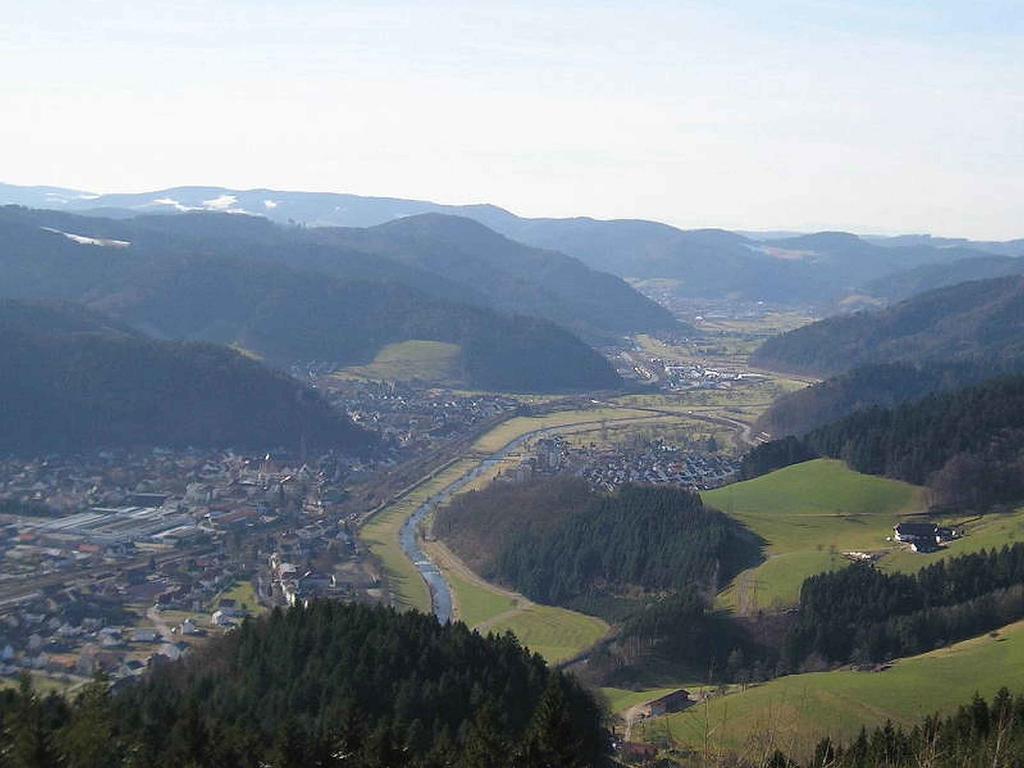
71 379
982 318
863 614
330 685
558 541
885 385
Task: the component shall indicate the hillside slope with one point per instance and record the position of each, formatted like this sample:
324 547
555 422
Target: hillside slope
965 443
512 277
172 288
970 319
883 385
903 285
69 379
446 257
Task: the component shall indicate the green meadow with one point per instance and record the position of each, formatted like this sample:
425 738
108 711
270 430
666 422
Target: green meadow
808 514
794 712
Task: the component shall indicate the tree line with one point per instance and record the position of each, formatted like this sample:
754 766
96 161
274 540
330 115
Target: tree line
978 735
647 558
861 614
964 444
638 537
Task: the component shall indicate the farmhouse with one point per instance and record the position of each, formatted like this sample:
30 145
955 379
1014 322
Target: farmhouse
670 702
922 537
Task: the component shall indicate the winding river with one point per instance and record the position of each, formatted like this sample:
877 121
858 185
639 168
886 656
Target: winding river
440 590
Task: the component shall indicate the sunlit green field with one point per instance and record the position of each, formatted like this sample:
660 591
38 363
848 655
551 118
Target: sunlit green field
808 514
430 361
475 604
554 633
244 595
798 710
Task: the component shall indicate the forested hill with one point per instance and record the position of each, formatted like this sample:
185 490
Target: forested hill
559 542
511 276
966 444
70 379
961 321
172 288
331 685
445 257
929 277
884 385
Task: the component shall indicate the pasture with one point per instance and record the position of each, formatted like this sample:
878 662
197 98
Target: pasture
808 514
794 712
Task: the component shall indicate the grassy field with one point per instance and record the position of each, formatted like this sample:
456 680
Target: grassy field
430 361
381 535
44 684
809 514
555 633
244 595
798 710
620 699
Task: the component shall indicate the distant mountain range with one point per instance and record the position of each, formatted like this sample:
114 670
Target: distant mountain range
279 293
72 379
822 268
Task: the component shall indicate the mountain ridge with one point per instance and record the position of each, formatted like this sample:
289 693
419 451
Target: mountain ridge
706 263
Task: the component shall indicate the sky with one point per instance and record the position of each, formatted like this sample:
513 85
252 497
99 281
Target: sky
879 116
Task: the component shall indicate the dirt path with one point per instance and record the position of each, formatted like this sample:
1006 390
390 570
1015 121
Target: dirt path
161 626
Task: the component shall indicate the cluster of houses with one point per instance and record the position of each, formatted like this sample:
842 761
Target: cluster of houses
411 417
923 537
607 468
113 540
120 506
74 636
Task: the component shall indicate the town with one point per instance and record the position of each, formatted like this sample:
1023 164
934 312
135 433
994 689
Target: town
654 462
117 560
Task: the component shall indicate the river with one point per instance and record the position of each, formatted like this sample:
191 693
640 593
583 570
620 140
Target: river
440 590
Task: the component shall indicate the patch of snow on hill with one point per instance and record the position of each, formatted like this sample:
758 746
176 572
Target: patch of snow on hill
83 240
221 203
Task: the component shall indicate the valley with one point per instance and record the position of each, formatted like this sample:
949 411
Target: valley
635 510
512 385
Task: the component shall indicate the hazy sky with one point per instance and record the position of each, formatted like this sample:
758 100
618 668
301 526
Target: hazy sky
881 116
